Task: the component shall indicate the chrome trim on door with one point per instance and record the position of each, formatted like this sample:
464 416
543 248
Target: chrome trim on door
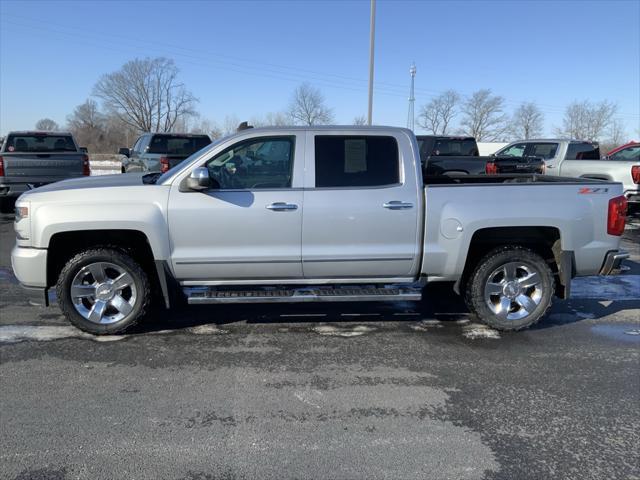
397 205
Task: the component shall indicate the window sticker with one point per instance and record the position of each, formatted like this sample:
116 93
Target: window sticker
355 156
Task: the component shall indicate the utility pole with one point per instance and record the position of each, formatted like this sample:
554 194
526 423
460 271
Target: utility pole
372 36
411 116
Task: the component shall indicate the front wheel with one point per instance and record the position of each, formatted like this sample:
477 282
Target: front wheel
103 291
511 288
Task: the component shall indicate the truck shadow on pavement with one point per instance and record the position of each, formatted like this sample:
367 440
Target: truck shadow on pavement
443 307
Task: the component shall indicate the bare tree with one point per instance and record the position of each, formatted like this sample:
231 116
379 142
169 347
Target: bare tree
146 94
617 133
87 124
271 119
586 120
360 120
208 127
436 116
307 106
46 124
527 122
483 116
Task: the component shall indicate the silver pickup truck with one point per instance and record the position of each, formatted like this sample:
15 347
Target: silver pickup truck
331 214
581 159
32 159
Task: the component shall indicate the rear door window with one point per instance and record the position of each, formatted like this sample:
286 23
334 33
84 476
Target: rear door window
545 151
464 147
356 161
583 151
40 143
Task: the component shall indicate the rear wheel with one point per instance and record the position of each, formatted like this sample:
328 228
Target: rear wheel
103 291
511 288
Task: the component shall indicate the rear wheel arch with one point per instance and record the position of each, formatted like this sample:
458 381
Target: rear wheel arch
543 240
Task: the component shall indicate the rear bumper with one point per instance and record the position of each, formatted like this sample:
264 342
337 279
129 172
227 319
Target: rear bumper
18 188
612 262
632 196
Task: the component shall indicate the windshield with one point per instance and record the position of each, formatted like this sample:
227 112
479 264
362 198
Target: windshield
629 154
41 143
177 144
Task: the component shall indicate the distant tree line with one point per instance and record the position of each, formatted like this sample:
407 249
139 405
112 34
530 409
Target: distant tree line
147 95
483 115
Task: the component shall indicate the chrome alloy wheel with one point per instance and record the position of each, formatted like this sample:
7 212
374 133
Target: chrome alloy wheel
513 291
103 292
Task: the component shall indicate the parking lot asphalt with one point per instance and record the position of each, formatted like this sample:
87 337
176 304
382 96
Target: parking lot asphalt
397 391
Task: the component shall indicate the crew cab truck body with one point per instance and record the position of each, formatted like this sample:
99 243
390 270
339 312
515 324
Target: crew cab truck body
339 214
159 152
450 155
581 159
31 159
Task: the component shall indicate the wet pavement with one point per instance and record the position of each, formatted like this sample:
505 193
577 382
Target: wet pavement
399 390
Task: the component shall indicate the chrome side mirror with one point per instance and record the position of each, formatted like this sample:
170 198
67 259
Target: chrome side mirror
199 179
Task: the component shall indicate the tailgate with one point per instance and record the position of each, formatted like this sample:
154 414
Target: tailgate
40 167
519 164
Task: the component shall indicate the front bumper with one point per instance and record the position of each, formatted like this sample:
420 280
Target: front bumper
30 266
612 262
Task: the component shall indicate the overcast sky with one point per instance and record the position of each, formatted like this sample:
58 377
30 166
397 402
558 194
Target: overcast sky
245 58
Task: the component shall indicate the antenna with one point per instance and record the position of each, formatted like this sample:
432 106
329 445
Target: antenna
411 115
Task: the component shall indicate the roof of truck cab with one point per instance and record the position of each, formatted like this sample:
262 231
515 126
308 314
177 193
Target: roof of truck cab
38 132
530 140
364 128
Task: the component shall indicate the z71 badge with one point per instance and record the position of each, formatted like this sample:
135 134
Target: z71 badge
589 190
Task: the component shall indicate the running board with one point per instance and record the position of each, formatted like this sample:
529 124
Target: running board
205 295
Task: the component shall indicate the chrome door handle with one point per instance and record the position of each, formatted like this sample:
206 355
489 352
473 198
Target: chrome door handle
397 205
281 206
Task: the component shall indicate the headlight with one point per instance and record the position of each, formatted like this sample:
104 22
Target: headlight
22 224
21 212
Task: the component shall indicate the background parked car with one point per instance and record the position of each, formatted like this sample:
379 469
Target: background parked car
158 152
443 155
628 151
577 158
31 159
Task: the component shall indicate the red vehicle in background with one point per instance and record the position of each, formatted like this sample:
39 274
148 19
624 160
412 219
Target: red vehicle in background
628 151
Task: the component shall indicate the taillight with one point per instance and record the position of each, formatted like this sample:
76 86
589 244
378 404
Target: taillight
1 167
635 174
491 168
164 164
616 216
86 167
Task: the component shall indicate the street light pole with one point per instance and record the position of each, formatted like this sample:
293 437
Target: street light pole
372 36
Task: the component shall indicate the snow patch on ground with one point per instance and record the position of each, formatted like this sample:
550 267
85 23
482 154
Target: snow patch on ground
310 397
343 331
474 331
19 333
206 330
426 325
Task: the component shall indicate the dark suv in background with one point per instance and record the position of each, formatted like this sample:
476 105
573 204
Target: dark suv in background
158 152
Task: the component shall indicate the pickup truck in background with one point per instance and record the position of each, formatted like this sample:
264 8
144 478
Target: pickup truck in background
581 159
32 159
446 155
323 214
159 152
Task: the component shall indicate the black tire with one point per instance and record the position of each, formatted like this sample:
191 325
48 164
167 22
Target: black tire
479 303
118 258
